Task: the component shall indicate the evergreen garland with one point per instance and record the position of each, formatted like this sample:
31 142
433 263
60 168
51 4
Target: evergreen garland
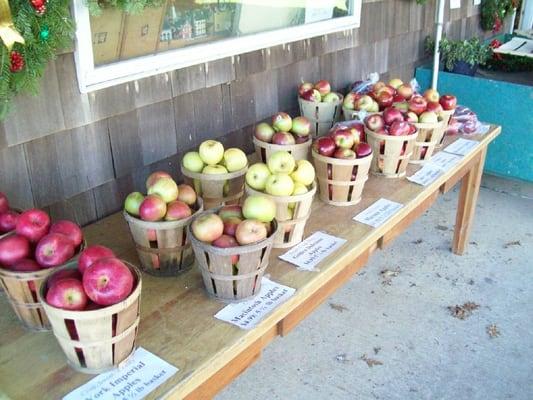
44 34
128 6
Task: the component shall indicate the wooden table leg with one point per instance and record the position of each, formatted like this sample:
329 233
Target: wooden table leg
467 204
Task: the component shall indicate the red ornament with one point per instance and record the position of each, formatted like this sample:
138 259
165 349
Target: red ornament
39 6
17 61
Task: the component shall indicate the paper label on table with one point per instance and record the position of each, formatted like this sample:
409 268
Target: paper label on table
444 160
248 314
425 175
461 147
140 375
378 213
308 254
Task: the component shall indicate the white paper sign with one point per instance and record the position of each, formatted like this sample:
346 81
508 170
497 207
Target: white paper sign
140 375
309 253
461 147
378 213
444 160
455 4
248 314
483 128
425 175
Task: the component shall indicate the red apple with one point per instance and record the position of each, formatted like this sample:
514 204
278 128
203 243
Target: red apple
154 176
4 203
33 224
207 227
350 99
153 208
69 229
411 117
25 265
304 87
399 128
302 139
13 248
412 129
363 150
186 194
312 95
177 210
92 254
384 99
345 154
343 138
283 138
392 114
231 211
431 95
385 89
63 274
108 281
8 221
230 225
264 132
67 294
417 104
250 231
91 306
281 122
301 126
325 146
54 249
406 91
378 86
226 241
448 102
374 122
397 99
323 87
434 107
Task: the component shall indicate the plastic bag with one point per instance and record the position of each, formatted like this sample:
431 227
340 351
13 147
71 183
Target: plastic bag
365 86
463 121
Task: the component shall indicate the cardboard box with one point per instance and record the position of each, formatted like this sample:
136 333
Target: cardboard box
106 33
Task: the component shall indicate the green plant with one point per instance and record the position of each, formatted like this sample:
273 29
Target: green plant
129 6
494 11
471 51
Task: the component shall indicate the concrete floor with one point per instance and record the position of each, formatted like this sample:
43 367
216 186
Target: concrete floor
390 335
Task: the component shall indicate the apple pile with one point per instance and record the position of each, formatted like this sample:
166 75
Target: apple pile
426 108
235 226
100 280
38 244
211 158
284 130
318 92
344 142
8 216
166 200
393 122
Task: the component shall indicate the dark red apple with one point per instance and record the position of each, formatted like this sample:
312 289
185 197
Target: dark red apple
385 99
108 281
324 146
13 248
91 306
69 229
363 150
397 99
417 104
345 154
230 225
434 107
374 122
92 254
448 102
283 138
304 87
33 224
399 128
25 265
311 95
226 241
8 221
54 249
67 294
64 274
4 203
392 114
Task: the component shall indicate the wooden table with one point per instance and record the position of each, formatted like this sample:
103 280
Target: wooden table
177 322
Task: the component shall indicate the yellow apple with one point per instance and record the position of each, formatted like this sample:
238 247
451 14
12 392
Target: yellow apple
304 173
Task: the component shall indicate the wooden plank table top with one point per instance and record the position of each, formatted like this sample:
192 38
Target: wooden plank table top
177 322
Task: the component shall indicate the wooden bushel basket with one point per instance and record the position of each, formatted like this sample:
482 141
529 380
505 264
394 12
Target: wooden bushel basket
163 247
96 341
264 150
335 183
321 115
217 190
291 222
228 283
351 115
446 115
429 136
397 151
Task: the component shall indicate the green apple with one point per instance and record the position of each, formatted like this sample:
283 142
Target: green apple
299 188
193 162
214 170
234 159
166 188
257 175
374 108
211 152
281 162
133 202
331 97
279 185
304 173
259 207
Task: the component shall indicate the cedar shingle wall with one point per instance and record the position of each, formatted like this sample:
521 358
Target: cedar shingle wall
78 155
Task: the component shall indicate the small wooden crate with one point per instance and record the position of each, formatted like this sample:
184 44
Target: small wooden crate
98 340
217 190
264 150
163 247
393 160
341 182
321 115
429 136
228 283
291 222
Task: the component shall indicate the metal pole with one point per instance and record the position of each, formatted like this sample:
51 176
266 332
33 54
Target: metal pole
439 22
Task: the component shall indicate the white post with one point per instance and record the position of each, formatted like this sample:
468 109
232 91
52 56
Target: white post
439 22
513 19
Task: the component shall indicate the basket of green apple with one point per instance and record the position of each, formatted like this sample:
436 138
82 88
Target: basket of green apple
217 175
28 255
158 224
285 133
232 247
290 184
342 161
93 307
319 105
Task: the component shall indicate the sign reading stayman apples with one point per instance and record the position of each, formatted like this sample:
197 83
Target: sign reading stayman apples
378 213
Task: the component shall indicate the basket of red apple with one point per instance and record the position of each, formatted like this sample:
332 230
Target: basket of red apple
290 184
93 307
392 143
158 224
8 216
217 175
232 246
342 160
319 105
28 255
285 133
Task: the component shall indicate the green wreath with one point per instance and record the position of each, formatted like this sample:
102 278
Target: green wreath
45 27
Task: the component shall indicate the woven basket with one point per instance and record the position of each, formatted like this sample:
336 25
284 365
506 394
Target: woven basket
291 222
429 136
446 116
264 150
98 340
163 247
354 115
321 115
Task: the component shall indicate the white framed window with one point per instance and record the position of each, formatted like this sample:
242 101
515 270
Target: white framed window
115 48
